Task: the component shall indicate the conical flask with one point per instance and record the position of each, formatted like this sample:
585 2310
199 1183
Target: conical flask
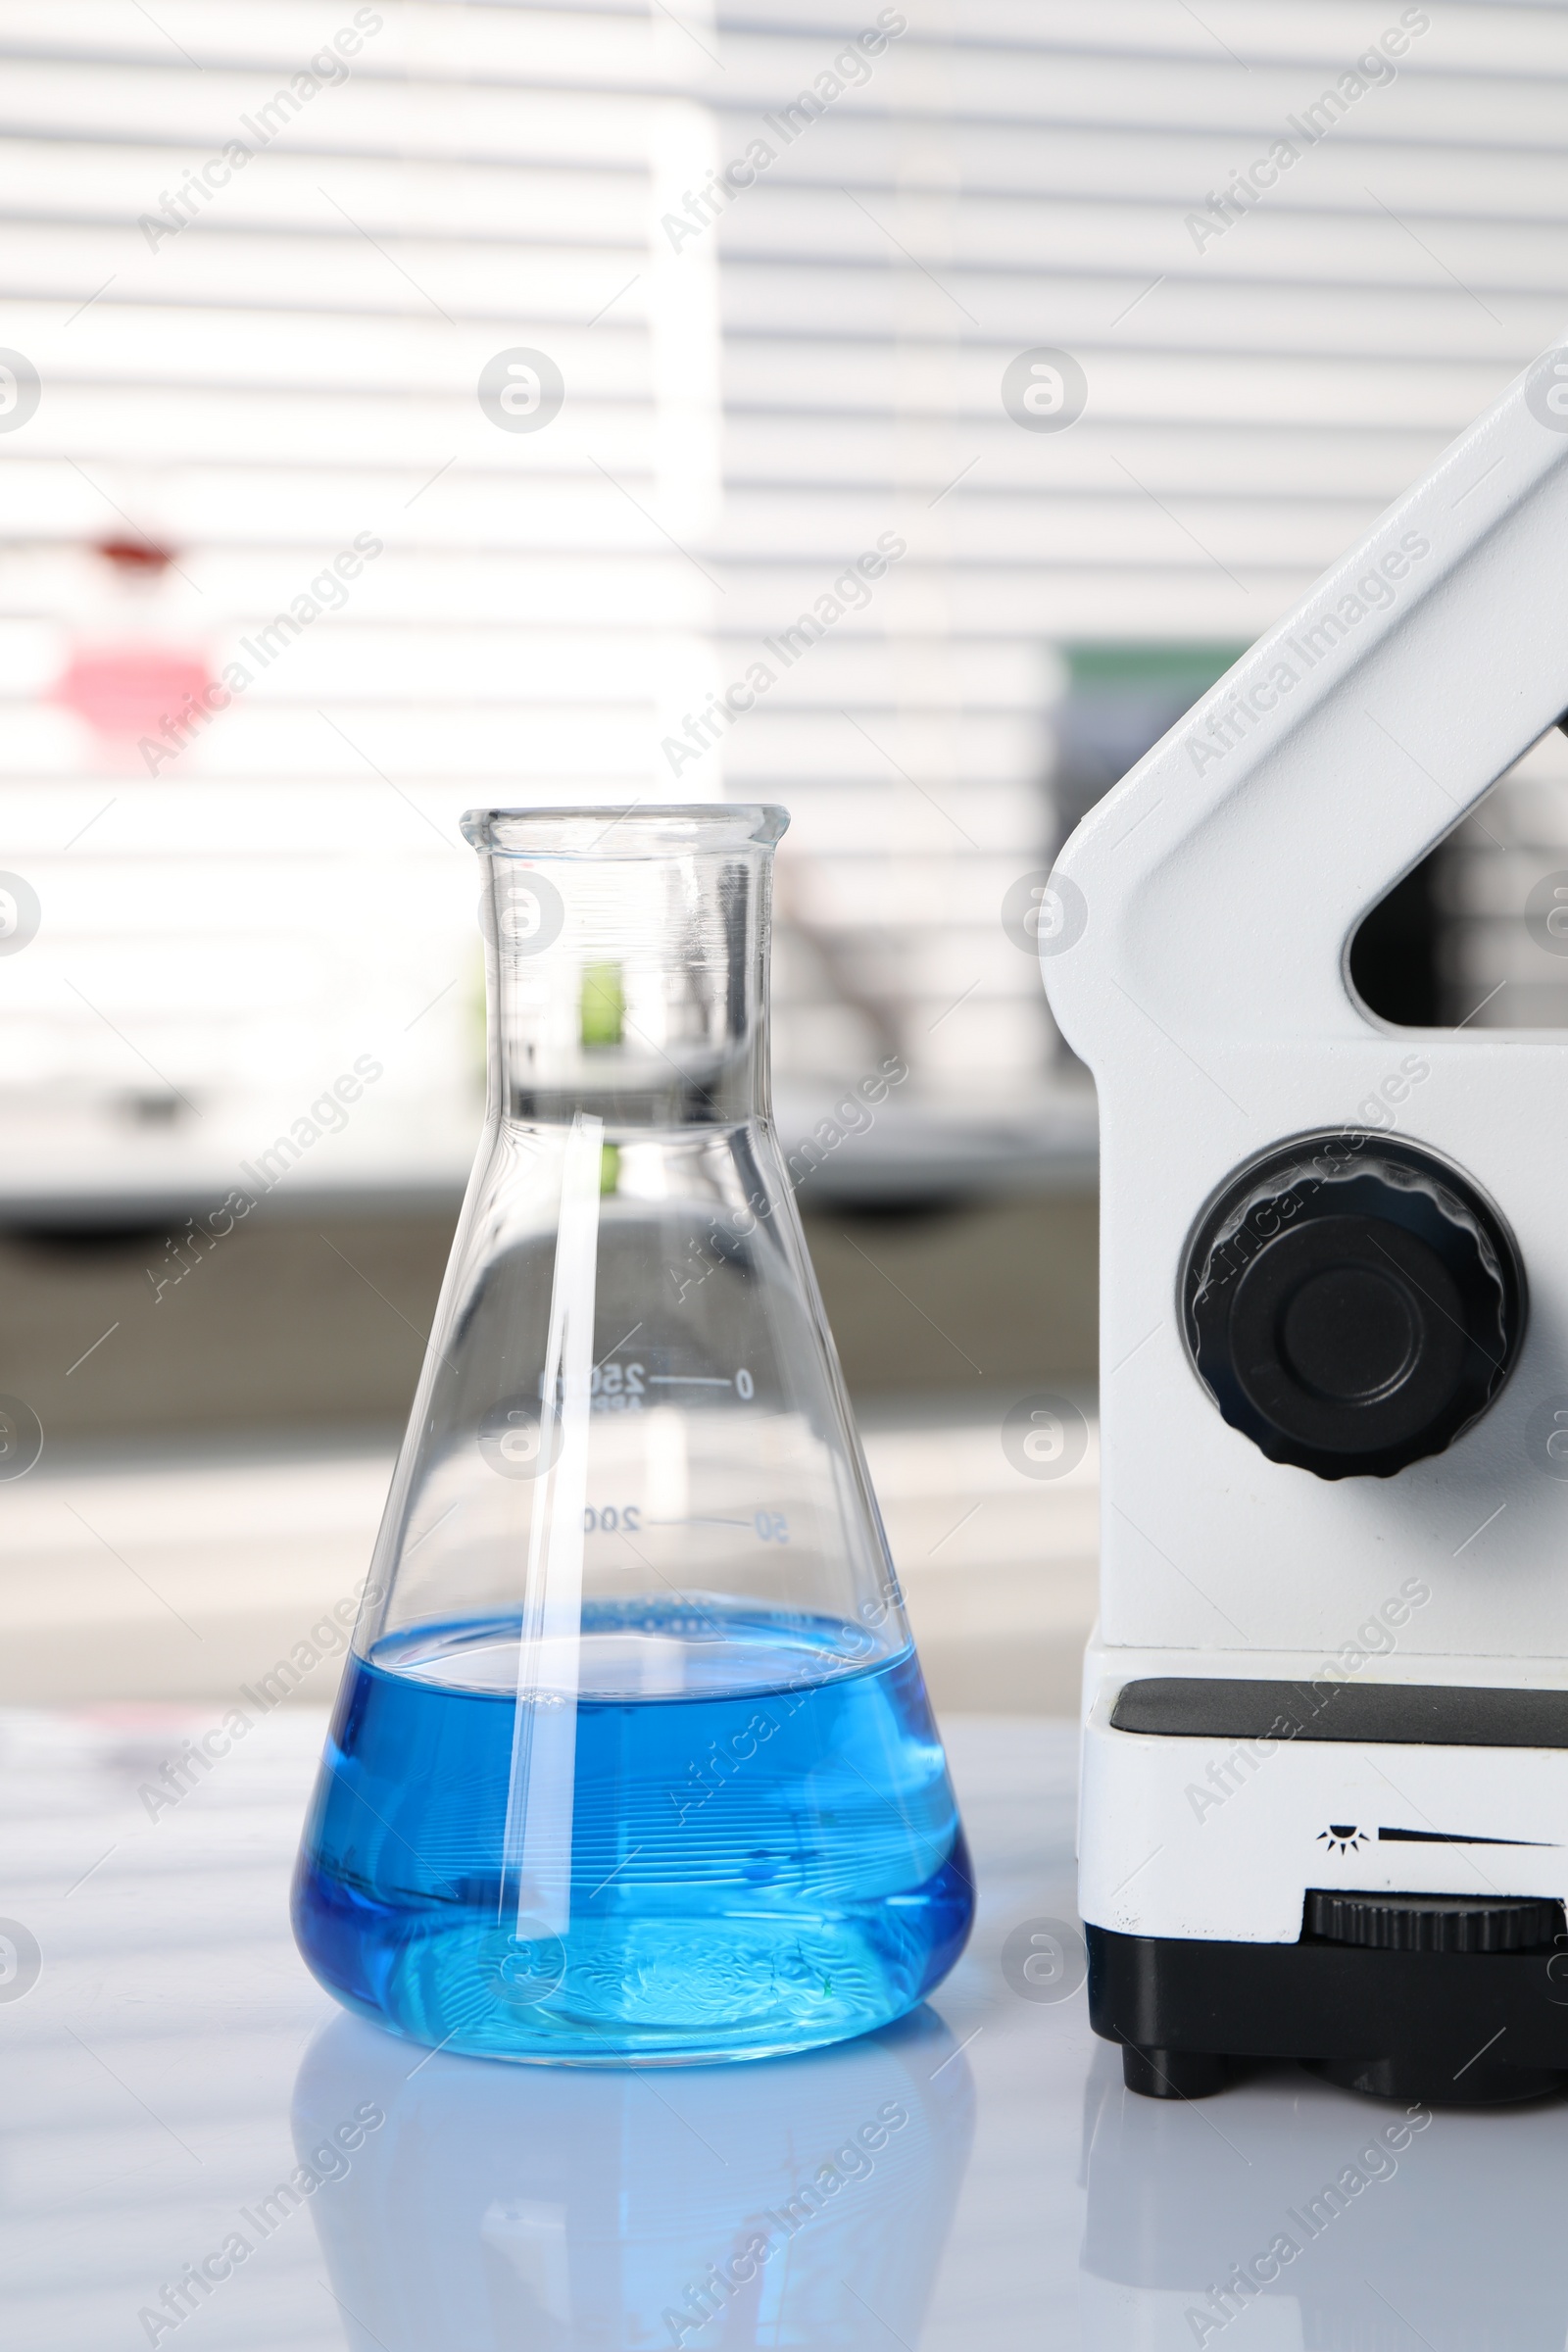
632 1759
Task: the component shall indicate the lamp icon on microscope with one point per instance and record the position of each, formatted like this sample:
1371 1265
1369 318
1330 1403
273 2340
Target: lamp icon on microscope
1343 1837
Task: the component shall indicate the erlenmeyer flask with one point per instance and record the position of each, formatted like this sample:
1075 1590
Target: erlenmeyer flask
632 1757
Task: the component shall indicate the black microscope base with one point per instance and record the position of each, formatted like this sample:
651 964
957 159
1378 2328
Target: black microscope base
1446 2029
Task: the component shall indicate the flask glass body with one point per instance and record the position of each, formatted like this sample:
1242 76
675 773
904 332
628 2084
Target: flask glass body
632 1759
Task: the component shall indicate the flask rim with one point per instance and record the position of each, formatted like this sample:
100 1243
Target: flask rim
635 829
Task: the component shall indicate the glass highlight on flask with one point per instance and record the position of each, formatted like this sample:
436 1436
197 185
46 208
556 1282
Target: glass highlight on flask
632 1759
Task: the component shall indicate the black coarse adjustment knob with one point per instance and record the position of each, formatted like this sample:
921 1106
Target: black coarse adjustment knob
1352 1304
1435 1922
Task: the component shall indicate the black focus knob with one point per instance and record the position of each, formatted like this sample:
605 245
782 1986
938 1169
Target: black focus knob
1435 1922
1353 1304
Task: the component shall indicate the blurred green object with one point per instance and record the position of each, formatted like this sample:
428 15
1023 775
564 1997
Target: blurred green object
602 1004
1122 695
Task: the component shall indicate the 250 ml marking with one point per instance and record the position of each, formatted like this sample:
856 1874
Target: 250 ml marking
621 1387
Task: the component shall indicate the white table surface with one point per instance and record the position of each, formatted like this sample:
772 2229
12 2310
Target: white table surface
173 2062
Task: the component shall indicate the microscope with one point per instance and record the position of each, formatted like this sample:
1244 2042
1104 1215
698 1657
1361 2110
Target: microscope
1324 1798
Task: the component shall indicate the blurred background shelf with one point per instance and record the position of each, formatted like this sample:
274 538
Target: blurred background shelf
54 1179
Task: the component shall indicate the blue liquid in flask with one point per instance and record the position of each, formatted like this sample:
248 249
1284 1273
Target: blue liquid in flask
765 1851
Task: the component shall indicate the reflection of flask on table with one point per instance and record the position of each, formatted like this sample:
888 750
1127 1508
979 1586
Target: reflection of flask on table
1312 2223
633 1756
497 2212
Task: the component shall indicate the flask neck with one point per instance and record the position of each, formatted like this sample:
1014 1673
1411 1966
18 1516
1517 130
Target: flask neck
627 964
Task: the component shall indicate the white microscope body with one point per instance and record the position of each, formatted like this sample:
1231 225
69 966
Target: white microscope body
1325 1761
